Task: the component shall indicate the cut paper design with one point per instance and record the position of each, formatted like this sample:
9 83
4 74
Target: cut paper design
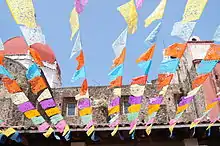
152 37
164 80
38 120
175 50
80 70
56 118
169 66
120 43
33 72
137 88
79 74
19 98
120 59
115 76
80 4
84 88
213 53
116 72
49 103
33 35
32 113
139 3
23 12
156 14
74 22
52 111
44 95
1 58
1 45
11 85
36 57
4 72
37 84
128 11
183 30
25 107
216 36
193 10
205 68
77 46
141 80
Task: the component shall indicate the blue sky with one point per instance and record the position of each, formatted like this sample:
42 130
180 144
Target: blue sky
101 24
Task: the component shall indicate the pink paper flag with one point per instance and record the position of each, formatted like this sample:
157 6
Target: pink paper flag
43 127
114 124
84 2
139 3
79 6
89 125
60 126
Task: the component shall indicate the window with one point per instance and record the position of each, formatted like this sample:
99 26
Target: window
124 104
70 109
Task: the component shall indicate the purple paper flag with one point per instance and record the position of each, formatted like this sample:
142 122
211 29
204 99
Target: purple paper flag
185 100
84 2
135 100
83 103
115 102
156 100
217 99
47 103
139 3
25 107
79 7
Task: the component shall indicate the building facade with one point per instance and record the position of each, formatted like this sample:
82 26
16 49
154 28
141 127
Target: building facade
17 60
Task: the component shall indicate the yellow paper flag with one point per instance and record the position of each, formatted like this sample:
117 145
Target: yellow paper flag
66 129
210 125
148 129
49 132
156 14
91 129
129 12
74 22
193 10
23 12
134 108
115 131
8 132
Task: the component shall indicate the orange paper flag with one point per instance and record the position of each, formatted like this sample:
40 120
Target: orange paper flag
37 84
139 80
213 53
175 50
2 58
84 87
11 85
117 82
199 80
147 55
120 59
163 80
36 56
80 60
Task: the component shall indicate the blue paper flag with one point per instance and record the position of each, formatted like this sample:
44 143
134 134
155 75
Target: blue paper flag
152 37
3 71
16 137
67 136
183 30
79 74
169 66
216 36
56 136
116 72
206 66
94 137
32 72
3 139
145 66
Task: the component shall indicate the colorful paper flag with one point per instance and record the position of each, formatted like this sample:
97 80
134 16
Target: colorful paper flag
156 14
74 22
128 11
193 10
152 37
